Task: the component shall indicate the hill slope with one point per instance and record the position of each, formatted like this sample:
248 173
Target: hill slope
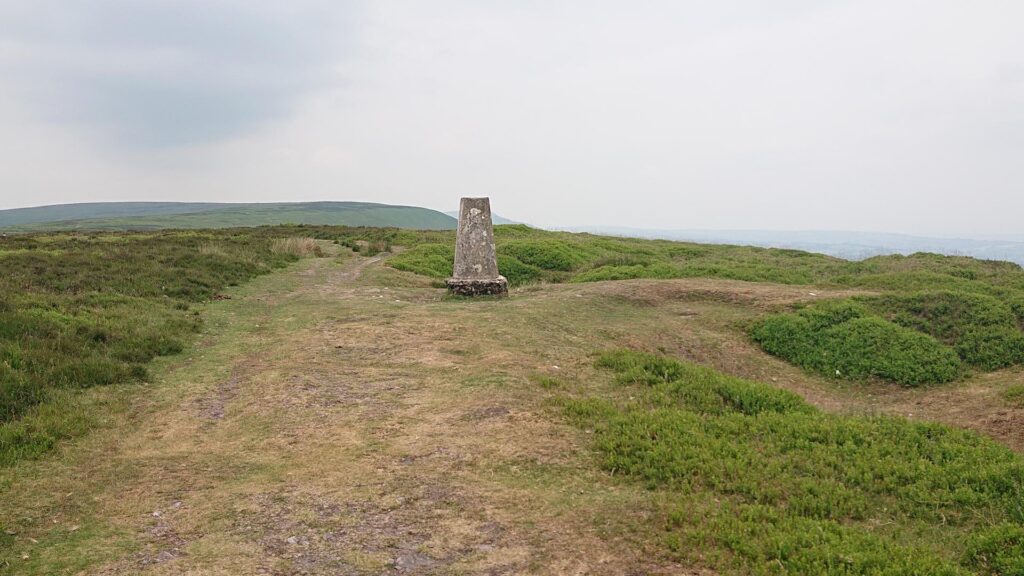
157 215
339 416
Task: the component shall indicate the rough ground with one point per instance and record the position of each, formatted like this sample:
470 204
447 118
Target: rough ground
341 417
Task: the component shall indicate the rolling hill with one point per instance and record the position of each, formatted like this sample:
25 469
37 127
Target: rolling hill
158 215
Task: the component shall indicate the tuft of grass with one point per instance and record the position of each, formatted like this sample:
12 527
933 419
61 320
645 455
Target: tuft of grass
547 382
374 247
297 246
766 484
1014 395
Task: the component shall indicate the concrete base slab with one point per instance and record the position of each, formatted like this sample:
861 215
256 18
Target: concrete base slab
477 287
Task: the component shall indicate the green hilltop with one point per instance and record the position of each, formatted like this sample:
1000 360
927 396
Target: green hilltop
160 215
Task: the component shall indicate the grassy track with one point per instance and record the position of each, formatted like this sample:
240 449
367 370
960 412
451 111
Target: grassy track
79 311
341 416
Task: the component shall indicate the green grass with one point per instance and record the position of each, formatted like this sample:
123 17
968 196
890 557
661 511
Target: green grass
86 310
937 317
1014 395
555 255
763 483
89 309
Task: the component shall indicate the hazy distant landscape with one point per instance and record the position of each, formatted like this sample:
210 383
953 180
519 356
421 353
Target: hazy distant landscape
846 245
161 215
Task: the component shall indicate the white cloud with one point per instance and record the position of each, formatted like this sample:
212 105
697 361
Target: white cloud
871 115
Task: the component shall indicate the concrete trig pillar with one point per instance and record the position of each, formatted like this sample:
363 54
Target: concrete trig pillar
476 258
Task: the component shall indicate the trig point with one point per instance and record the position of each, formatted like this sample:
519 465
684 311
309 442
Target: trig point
476 261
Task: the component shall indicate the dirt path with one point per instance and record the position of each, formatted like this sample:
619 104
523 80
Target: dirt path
343 418
335 419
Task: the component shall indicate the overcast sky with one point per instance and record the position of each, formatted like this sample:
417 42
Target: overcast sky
874 115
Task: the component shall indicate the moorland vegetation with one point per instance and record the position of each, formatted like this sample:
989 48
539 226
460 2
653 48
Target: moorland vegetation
760 482
931 318
84 310
755 479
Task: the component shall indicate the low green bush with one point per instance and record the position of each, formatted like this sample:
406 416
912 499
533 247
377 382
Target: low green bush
545 254
998 551
433 260
603 273
696 387
516 272
842 340
991 348
767 484
945 315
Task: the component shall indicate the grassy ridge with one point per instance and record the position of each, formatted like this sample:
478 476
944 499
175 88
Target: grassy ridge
157 216
93 309
938 317
766 484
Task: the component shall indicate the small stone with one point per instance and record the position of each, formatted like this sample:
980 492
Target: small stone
292 540
165 556
412 561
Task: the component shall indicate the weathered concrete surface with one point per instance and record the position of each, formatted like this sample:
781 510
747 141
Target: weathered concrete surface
476 259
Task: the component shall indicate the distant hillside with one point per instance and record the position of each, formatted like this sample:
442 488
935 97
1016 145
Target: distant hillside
157 215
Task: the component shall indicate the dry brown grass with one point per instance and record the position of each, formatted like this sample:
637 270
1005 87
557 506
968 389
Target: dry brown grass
298 246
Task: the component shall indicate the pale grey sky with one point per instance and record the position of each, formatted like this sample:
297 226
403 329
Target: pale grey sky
875 115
